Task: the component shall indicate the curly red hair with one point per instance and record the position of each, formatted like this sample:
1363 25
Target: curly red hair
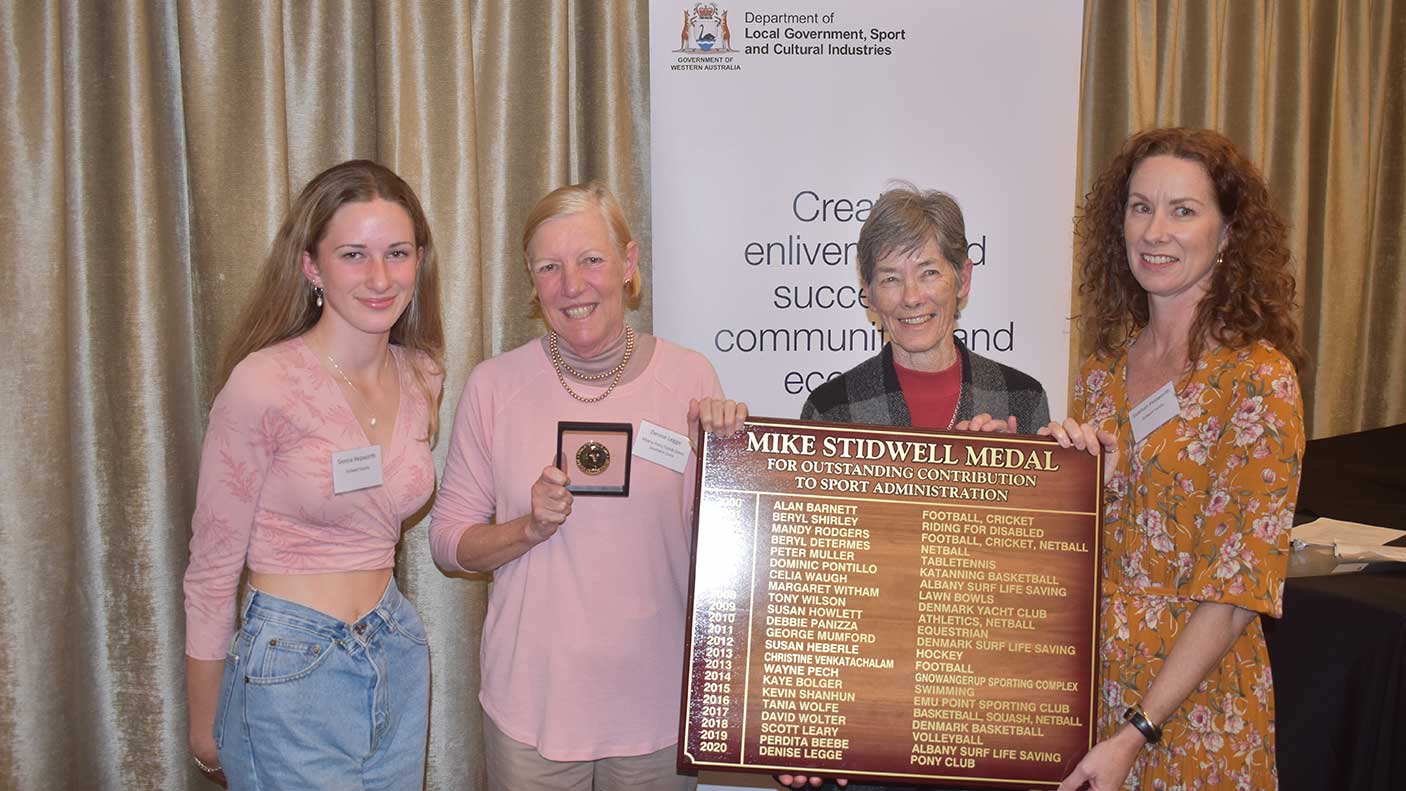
1251 294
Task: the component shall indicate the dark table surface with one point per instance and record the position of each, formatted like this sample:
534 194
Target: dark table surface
1358 477
1339 660
1339 652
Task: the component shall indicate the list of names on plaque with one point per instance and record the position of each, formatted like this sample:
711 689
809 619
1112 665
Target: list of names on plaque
820 581
846 620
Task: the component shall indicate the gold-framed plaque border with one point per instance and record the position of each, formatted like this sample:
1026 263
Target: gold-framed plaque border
706 450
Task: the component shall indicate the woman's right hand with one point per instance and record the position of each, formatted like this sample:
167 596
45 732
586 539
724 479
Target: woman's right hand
551 504
203 693
202 746
1085 437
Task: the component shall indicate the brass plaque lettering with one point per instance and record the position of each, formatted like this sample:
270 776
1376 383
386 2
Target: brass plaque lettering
897 605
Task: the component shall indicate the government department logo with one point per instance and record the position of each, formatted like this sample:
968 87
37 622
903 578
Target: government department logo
705 30
705 40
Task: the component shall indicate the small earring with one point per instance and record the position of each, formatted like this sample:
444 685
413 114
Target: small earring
1220 258
317 292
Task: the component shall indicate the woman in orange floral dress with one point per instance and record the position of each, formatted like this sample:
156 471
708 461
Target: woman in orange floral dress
1192 394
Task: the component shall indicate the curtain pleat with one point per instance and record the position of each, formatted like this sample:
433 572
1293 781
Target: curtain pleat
233 95
103 473
36 525
330 51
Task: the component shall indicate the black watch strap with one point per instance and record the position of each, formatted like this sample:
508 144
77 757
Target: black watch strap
1138 719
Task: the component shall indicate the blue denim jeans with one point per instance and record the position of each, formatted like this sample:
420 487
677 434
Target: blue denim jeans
311 702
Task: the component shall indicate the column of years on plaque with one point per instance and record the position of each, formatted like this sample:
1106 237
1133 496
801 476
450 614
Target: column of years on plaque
985 673
721 624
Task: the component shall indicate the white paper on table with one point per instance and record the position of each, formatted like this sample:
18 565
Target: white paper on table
1377 554
1335 532
1347 568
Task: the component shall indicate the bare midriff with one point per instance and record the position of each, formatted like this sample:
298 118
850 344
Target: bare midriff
344 595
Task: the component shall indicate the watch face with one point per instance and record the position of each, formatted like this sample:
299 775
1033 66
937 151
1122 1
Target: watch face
593 458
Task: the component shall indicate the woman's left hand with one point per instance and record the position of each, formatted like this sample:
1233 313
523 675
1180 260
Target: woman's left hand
1086 437
989 424
807 781
718 416
1106 766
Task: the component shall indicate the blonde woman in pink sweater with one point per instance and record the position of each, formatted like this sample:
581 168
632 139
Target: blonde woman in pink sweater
583 644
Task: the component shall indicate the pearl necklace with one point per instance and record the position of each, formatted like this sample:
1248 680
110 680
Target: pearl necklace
561 367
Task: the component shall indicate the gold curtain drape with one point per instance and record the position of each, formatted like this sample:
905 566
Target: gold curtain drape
148 151
1314 91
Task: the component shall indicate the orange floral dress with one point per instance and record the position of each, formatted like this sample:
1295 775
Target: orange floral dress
1199 511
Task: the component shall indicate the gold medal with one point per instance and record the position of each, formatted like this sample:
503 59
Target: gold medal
593 458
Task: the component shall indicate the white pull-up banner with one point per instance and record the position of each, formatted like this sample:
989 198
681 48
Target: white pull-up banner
776 125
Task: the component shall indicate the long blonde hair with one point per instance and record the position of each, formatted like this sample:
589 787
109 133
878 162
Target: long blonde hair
282 305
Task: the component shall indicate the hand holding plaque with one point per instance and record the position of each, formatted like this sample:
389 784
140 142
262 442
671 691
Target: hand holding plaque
595 457
721 416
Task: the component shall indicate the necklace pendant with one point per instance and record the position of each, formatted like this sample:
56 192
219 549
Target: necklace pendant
373 422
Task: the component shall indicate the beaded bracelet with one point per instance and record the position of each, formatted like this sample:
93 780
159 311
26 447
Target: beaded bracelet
209 770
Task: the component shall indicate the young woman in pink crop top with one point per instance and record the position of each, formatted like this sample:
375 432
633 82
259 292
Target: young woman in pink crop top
318 448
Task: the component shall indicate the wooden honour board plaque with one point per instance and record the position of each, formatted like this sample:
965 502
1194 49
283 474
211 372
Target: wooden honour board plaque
894 605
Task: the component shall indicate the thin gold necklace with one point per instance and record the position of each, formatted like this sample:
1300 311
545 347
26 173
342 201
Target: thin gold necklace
364 402
961 387
619 370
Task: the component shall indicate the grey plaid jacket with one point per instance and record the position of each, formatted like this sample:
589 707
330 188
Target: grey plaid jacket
869 393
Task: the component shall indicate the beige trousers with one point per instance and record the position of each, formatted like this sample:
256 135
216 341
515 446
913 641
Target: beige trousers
514 766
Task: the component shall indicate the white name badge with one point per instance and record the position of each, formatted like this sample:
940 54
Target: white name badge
358 468
662 446
1154 410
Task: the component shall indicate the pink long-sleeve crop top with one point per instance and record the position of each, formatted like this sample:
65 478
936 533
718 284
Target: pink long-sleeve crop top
265 496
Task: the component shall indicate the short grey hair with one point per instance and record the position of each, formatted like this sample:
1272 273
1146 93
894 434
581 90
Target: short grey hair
904 219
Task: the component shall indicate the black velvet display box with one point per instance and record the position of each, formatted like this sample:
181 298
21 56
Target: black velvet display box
595 457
